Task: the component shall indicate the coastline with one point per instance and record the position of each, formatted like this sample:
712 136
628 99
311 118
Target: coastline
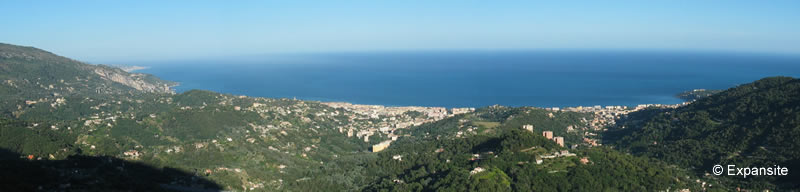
130 69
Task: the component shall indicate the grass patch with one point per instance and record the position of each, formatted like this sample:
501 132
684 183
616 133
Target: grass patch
487 124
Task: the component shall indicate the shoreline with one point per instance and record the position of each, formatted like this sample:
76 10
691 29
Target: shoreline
130 69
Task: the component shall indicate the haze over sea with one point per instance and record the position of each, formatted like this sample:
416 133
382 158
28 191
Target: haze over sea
477 78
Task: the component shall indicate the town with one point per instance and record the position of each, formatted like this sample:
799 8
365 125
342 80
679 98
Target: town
391 119
608 115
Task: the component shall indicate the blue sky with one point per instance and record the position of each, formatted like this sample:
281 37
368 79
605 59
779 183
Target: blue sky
107 31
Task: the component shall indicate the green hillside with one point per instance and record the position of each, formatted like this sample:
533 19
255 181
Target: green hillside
60 110
509 163
443 161
756 124
66 125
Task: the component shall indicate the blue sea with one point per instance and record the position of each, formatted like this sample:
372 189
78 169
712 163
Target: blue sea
477 78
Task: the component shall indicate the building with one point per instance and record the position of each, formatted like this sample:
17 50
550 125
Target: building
584 160
590 141
547 134
381 146
457 111
476 170
559 140
132 153
528 127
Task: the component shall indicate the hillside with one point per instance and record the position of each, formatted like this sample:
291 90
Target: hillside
756 124
57 110
518 160
465 153
696 94
101 128
28 69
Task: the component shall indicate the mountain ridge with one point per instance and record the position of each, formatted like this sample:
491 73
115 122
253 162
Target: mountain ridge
31 61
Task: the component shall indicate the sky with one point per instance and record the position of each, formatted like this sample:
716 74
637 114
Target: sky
109 31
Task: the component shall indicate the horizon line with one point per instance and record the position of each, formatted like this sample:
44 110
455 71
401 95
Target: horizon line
453 50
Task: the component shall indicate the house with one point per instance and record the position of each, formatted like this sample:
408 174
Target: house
590 141
559 140
381 146
476 170
585 160
547 134
528 127
132 153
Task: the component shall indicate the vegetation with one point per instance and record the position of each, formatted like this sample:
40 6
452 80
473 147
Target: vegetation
492 120
507 166
70 126
91 173
697 94
58 109
752 125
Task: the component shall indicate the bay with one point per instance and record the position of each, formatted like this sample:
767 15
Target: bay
476 78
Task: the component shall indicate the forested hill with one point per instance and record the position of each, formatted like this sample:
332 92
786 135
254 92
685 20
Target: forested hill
62 116
26 69
100 128
489 150
756 124
518 160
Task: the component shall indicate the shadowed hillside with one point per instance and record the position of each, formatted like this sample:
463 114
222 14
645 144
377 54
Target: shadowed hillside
92 173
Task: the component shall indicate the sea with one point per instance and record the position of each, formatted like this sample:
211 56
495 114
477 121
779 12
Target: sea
561 78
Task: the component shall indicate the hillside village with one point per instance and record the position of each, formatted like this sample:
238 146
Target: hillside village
604 116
